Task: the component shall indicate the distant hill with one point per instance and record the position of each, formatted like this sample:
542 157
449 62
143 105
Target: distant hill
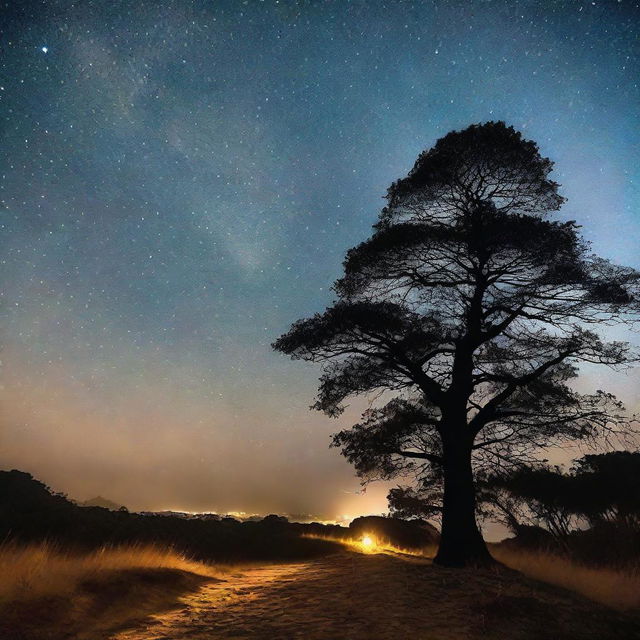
21 495
99 501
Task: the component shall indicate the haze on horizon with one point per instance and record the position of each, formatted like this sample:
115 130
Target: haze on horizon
180 182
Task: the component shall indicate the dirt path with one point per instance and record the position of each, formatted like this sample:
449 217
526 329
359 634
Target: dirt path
352 596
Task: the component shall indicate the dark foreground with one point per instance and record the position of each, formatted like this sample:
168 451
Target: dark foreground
356 596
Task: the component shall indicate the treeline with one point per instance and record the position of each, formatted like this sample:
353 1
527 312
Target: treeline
32 512
591 512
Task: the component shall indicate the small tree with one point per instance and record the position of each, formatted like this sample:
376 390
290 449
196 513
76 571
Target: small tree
608 487
600 489
473 310
543 497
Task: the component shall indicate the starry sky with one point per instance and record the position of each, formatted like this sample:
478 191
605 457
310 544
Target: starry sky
180 180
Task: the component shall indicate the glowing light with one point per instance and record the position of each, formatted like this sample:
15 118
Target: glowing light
368 542
44 49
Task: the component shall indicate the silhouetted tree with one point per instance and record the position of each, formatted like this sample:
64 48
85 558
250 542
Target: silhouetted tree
409 503
495 502
543 497
474 310
608 488
600 488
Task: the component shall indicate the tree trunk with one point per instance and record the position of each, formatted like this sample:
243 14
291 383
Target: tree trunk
461 543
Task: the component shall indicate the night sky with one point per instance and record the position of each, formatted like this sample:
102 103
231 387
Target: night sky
180 182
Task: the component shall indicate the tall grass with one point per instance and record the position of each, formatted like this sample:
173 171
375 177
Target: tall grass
40 570
616 588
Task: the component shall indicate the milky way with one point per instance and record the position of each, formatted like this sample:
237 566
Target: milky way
180 181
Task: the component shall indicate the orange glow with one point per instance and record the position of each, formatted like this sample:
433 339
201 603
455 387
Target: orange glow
368 542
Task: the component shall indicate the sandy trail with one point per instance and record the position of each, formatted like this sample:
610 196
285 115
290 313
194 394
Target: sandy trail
350 596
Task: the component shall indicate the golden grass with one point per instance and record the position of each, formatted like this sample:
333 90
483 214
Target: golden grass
619 589
370 543
615 588
46 592
41 570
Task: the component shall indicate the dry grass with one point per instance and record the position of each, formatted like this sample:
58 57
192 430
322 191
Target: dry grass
41 570
384 596
49 593
615 588
376 544
45 593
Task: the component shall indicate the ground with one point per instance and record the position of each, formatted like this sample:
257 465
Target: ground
353 596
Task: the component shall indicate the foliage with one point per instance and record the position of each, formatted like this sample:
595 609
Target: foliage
475 311
543 497
609 486
30 512
409 502
600 489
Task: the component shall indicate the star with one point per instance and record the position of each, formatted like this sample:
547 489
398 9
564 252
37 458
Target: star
133 132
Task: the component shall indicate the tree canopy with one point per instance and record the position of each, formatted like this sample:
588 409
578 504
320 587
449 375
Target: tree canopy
599 489
474 310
